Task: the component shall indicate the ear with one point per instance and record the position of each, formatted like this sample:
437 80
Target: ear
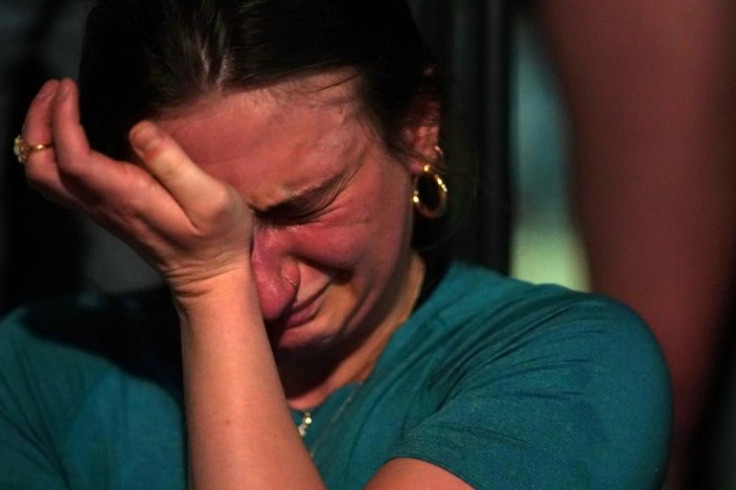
421 132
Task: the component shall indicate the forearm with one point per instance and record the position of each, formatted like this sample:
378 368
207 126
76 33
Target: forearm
241 434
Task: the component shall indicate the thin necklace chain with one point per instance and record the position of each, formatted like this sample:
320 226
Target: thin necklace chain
305 423
343 406
307 418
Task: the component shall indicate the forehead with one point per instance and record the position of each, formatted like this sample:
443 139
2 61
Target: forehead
273 142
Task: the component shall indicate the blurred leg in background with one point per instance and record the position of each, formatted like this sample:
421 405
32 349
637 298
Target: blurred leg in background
650 90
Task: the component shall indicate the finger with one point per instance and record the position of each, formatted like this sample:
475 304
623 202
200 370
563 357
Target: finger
160 155
40 167
84 171
72 147
37 126
107 190
183 179
166 185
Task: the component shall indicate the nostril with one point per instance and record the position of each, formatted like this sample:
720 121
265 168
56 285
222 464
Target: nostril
275 296
292 282
277 274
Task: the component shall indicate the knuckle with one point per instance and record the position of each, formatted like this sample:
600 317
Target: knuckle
165 165
70 167
124 209
140 184
221 200
220 205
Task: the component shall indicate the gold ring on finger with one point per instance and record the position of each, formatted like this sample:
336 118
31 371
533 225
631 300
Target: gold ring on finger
22 149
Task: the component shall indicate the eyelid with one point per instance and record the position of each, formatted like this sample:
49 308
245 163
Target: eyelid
294 214
288 218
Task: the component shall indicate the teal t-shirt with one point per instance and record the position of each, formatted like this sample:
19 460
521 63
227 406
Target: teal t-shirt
504 384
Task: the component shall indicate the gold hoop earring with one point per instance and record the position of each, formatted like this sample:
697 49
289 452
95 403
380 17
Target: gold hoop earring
434 205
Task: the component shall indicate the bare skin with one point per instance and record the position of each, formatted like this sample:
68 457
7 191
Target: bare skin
259 294
650 89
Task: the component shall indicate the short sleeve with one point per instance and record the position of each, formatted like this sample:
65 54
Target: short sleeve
570 394
28 458
90 394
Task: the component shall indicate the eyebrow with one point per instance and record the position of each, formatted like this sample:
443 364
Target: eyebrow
308 199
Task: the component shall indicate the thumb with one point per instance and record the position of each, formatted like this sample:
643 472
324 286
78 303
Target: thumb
171 166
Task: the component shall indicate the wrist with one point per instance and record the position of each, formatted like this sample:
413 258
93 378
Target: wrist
192 287
224 289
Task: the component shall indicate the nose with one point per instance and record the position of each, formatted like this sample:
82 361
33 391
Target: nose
276 272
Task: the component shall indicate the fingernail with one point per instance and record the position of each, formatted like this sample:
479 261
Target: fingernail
47 89
144 137
65 88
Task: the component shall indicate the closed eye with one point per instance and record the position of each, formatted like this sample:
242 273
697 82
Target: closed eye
306 206
290 219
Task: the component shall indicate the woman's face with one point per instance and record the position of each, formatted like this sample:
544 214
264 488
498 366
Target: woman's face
333 217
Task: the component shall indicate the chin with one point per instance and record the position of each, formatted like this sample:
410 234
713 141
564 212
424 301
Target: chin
296 343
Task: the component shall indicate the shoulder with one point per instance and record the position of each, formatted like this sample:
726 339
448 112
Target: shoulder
481 304
85 326
477 310
506 322
47 332
78 377
570 382
62 347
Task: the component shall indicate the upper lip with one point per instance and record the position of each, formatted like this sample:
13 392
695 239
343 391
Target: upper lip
297 308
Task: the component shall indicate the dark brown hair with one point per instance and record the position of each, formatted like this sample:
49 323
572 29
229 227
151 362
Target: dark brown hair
143 57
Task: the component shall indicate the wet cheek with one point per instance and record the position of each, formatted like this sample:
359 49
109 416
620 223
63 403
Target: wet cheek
368 242
334 248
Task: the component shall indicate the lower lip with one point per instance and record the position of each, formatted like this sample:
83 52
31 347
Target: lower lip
302 316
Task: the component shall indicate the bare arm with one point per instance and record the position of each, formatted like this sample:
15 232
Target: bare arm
240 432
197 232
